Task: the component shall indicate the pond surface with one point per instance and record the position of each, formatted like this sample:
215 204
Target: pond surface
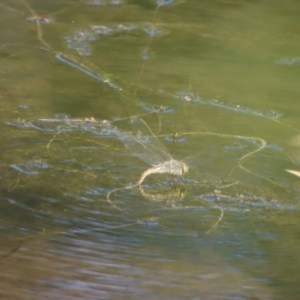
216 82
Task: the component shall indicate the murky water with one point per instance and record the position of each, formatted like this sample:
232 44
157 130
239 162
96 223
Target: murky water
223 76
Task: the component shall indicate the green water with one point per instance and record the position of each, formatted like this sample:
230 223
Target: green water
226 74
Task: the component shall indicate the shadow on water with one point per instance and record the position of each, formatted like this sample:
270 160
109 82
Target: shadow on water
209 80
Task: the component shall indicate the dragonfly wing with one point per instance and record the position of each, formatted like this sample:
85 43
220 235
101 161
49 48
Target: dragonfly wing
144 144
143 132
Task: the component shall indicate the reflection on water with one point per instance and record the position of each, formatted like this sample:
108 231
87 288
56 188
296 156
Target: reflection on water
73 225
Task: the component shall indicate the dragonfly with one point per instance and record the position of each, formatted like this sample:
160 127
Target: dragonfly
147 147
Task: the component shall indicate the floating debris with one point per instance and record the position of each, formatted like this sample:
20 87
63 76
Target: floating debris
39 126
152 30
274 147
175 138
148 221
41 20
23 106
105 132
237 108
104 79
105 2
109 30
103 127
70 121
37 164
159 109
103 30
287 61
187 96
64 124
235 146
31 167
106 124
297 173
168 2
29 124
96 3
61 116
147 54
115 2
19 123
114 28
129 27
80 41
24 169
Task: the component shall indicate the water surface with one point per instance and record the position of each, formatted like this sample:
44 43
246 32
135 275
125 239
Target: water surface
223 75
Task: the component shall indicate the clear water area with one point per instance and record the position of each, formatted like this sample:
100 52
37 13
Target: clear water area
223 75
